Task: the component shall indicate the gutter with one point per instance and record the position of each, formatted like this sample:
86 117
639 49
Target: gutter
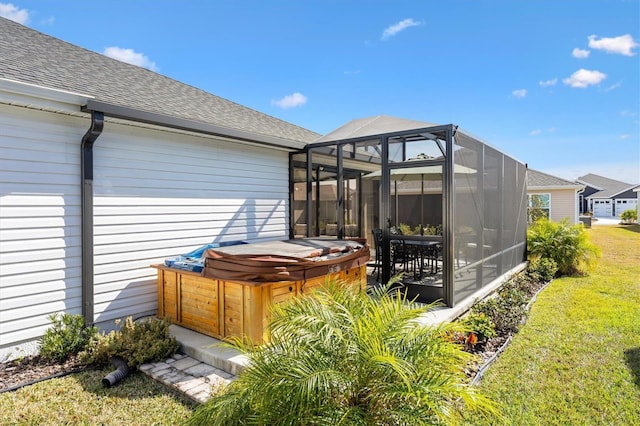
163 120
86 203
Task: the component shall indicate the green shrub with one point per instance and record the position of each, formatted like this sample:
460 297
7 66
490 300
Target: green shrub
568 245
629 216
524 283
67 336
480 325
405 229
541 269
136 342
344 357
506 309
432 230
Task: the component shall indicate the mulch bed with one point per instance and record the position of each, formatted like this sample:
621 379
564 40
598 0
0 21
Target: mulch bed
30 369
33 368
488 349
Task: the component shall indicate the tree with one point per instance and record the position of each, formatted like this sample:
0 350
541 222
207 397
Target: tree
340 356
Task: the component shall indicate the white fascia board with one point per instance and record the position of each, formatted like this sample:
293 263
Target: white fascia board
624 190
554 187
29 95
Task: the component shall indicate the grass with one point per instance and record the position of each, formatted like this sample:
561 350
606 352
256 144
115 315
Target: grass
577 359
81 399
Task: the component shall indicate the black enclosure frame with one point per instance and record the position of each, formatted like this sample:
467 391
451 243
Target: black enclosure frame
483 198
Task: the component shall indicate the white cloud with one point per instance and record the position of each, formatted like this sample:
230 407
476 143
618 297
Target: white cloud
535 132
627 113
584 78
580 53
520 93
622 45
625 136
290 101
400 26
130 56
9 11
548 83
551 129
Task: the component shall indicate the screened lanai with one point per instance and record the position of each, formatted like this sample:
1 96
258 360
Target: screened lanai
434 203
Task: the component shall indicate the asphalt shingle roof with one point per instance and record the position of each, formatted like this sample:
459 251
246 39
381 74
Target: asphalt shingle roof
32 57
539 179
609 187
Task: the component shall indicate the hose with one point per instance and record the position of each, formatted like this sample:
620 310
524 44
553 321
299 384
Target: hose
122 370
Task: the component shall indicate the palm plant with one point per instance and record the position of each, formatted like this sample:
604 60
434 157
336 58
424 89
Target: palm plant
568 245
343 357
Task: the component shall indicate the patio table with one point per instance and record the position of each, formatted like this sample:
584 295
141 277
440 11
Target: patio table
421 247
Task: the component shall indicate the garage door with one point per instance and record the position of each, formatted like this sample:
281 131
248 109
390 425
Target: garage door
628 204
602 208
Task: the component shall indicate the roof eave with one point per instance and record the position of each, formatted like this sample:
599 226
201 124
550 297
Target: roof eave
630 188
42 93
126 113
553 187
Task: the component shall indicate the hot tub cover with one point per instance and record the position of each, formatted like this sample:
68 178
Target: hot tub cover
194 260
291 260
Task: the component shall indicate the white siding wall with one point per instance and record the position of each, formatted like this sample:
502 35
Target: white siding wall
159 194
156 194
563 204
40 257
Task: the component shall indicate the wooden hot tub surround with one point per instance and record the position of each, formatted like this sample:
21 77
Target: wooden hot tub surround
231 296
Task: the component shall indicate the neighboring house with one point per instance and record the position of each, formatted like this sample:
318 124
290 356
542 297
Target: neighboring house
107 168
555 196
606 197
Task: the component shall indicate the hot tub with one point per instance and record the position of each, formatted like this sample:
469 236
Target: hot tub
231 296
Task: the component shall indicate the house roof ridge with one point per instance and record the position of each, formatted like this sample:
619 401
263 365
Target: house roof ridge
603 179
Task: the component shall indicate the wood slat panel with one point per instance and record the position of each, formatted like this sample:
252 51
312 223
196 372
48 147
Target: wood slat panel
227 309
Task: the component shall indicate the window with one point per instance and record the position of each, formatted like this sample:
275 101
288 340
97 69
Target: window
539 206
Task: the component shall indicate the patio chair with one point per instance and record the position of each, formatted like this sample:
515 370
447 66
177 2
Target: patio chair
435 257
377 247
401 253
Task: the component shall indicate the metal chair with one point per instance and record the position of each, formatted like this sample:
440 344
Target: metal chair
377 247
401 253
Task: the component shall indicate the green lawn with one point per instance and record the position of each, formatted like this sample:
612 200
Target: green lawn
575 362
577 359
81 399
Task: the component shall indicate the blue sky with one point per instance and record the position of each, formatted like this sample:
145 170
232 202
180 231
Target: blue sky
553 83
